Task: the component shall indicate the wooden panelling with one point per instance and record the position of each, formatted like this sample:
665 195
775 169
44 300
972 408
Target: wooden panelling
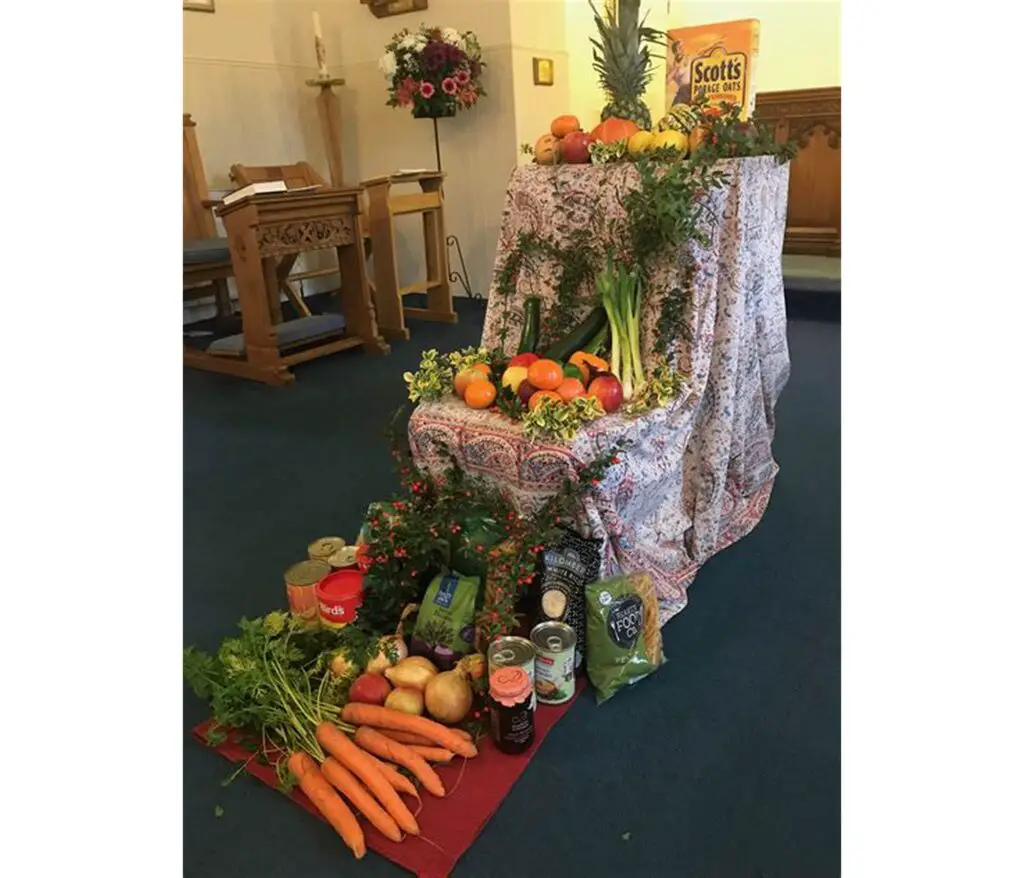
811 117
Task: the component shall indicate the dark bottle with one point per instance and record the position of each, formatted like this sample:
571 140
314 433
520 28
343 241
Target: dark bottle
511 709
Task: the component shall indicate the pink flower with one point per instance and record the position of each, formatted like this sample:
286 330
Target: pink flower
426 90
448 86
462 77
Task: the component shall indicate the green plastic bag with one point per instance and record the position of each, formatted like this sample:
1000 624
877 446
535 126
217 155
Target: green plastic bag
623 634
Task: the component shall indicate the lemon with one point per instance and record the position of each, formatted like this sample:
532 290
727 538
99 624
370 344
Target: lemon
674 139
640 142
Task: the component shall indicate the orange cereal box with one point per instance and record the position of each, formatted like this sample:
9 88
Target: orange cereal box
716 61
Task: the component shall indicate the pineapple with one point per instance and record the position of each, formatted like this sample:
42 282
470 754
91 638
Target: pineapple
622 59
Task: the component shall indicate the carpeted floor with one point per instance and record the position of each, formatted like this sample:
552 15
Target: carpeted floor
725 764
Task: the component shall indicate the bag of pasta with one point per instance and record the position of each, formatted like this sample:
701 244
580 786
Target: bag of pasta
623 634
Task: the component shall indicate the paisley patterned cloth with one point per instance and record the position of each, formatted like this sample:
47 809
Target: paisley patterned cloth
698 473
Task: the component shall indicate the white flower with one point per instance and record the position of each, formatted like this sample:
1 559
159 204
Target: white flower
450 35
419 42
388 64
409 41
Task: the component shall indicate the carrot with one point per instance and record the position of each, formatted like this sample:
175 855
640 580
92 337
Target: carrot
336 742
406 737
381 717
374 742
348 785
431 754
413 738
328 802
393 776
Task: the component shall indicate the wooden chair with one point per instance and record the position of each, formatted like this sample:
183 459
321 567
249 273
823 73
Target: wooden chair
296 176
206 257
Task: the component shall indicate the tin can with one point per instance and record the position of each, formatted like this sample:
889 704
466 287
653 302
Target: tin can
344 557
323 548
301 581
339 597
513 652
555 646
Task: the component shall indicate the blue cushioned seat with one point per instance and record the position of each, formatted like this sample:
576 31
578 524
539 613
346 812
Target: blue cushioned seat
206 250
291 333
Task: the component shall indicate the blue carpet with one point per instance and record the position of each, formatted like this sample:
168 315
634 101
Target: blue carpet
724 764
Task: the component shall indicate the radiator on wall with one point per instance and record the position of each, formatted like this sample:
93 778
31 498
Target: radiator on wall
811 117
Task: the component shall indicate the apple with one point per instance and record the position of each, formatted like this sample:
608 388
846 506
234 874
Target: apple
576 148
513 377
607 390
525 391
523 359
370 689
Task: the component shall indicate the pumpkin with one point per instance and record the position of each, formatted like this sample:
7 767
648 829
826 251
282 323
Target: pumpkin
612 130
564 125
547 150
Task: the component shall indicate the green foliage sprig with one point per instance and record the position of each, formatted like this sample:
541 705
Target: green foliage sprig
663 384
561 420
727 136
432 380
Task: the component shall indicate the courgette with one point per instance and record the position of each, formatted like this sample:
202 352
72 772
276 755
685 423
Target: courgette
531 326
579 337
599 343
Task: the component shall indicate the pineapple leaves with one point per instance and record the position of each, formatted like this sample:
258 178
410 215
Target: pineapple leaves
623 61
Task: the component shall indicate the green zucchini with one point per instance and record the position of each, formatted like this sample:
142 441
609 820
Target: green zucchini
531 326
598 343
578 338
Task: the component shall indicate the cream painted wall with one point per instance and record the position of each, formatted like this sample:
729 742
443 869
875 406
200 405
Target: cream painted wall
244 72
799 45
538 31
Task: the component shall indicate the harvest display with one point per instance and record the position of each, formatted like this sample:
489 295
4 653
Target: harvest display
455 619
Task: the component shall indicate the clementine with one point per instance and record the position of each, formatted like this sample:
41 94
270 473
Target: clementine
537 398
482 367
480 394
545 374
570 389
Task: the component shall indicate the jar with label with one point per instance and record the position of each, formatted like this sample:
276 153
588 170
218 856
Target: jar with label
511 697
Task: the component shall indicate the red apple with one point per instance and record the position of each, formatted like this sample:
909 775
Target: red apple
525 391
576 148
370 689
607 390
523 359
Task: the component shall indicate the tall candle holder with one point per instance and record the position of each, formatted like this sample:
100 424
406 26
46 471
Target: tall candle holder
328 108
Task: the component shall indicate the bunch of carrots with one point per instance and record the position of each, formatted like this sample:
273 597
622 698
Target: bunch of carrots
359 773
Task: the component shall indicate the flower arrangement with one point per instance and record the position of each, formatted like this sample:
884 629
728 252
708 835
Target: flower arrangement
434 71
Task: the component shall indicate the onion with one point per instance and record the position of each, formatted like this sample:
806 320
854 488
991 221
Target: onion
405 700
341 664
448 697
411 674
420 660
381 661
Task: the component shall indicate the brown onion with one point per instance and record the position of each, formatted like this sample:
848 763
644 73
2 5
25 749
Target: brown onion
406 700
448 697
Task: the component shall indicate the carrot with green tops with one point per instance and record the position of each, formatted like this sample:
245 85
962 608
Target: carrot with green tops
336 742
384 718
349 786
374 742
431 754
327 801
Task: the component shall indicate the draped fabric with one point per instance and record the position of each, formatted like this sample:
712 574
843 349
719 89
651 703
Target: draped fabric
698 473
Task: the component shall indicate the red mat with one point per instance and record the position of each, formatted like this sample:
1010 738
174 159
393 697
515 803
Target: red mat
451 823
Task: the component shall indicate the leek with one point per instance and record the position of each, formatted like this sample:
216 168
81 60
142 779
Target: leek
620 292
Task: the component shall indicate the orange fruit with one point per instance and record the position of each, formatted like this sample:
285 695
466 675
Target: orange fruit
482 367
465 378
541 395
545 374
570 388
480 394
